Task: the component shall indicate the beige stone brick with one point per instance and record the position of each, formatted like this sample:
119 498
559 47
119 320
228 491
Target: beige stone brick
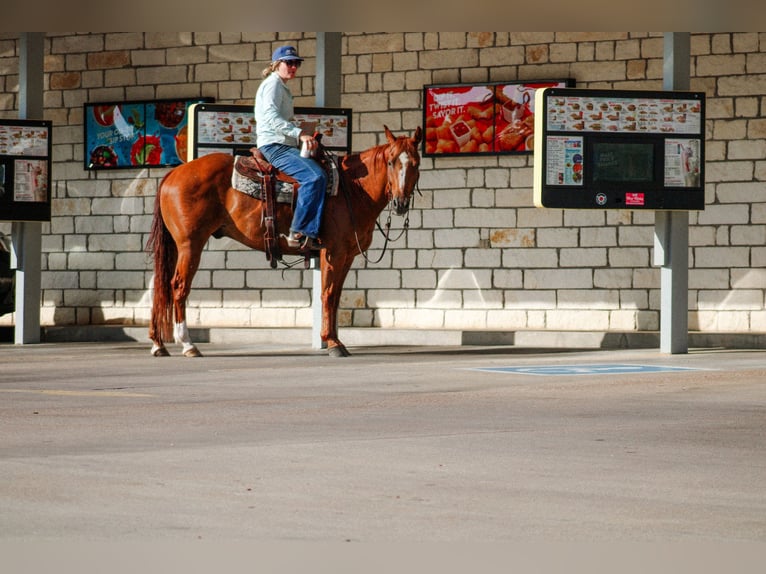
503 57
232 53
110 59
527 38
451 59
123 41
525 258
186 55
376 43
752 84
747 149
154 40
148 57
480 39
537 54
720 65
77 43
596 320
165 75
563 52
65 80
588 299
114 78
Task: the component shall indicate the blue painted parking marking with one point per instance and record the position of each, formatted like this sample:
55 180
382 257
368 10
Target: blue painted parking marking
599 369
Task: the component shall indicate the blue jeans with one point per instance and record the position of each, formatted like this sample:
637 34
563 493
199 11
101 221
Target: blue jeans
313 186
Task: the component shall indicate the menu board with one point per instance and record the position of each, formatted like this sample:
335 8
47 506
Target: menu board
230 128
225 127
25 170
475 119
619 148
136 134
624 115
333 127
20 140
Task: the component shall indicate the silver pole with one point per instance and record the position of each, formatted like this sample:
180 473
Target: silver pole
328 87
27 235
671 228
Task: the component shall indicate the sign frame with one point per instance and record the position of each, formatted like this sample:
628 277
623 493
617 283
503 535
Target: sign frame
136 134
230 128
620 149
482 119
25 170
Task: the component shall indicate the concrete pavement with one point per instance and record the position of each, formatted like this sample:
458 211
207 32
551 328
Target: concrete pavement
276 442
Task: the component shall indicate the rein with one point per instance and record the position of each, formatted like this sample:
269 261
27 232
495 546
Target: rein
387 232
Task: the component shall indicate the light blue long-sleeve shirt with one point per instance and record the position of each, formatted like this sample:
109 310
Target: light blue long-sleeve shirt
273 109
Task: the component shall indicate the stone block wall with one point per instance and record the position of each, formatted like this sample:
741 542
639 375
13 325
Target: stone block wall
478 255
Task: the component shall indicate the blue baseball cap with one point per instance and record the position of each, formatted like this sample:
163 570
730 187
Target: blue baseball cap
285 53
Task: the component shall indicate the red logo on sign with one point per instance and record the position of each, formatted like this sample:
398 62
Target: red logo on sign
634 199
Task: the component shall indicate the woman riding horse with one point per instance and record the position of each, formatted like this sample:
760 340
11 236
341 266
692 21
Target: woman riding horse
195 200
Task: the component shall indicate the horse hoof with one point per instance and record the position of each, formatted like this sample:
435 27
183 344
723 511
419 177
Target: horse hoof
338 351
160 352
192 352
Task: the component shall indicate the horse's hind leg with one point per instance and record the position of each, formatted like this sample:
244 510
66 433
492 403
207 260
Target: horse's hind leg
186 267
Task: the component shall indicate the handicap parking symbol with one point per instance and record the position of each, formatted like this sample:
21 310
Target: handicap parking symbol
590 369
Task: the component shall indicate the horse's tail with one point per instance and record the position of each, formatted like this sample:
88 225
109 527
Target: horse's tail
165 252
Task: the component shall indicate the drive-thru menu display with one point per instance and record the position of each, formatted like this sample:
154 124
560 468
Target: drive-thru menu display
230 128
25 170
619 149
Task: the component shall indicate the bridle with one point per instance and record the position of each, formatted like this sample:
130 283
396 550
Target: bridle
390 176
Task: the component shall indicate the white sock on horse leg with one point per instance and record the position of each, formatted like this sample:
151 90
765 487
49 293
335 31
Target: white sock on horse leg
181 335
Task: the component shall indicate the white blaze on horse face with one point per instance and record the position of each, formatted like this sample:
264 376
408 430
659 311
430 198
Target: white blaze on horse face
181 335
404 159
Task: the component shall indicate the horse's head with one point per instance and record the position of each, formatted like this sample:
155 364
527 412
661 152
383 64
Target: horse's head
403 161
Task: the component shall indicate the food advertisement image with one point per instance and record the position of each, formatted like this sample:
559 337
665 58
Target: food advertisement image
478 119
135 134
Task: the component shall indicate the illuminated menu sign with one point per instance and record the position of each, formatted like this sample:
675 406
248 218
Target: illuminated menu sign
230 128
620 149
25 170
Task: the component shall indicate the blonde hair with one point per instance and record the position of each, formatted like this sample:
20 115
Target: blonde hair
270 68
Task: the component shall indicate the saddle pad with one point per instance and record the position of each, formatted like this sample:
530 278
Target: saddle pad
254 187
285 190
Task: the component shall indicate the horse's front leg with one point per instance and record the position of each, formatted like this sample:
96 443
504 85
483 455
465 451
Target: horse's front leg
333 276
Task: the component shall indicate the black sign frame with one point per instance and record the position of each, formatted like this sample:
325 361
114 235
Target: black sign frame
136 134
25 170
575 123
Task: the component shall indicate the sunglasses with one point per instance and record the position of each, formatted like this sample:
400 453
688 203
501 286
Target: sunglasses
293 63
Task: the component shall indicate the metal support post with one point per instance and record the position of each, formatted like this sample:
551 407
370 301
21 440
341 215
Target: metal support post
328 85
671 228
26 236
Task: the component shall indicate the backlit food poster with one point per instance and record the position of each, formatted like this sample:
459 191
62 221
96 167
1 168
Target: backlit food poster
482 118
136 134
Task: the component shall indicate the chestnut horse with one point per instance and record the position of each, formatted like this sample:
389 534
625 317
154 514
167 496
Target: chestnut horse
195 200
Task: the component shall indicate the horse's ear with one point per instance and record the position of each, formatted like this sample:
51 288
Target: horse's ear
418 135
389 136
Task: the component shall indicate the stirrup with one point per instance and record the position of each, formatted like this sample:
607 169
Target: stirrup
302 242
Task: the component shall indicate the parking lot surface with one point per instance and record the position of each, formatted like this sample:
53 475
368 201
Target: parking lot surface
101 441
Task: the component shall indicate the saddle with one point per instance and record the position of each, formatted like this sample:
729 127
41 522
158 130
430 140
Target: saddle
256 177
